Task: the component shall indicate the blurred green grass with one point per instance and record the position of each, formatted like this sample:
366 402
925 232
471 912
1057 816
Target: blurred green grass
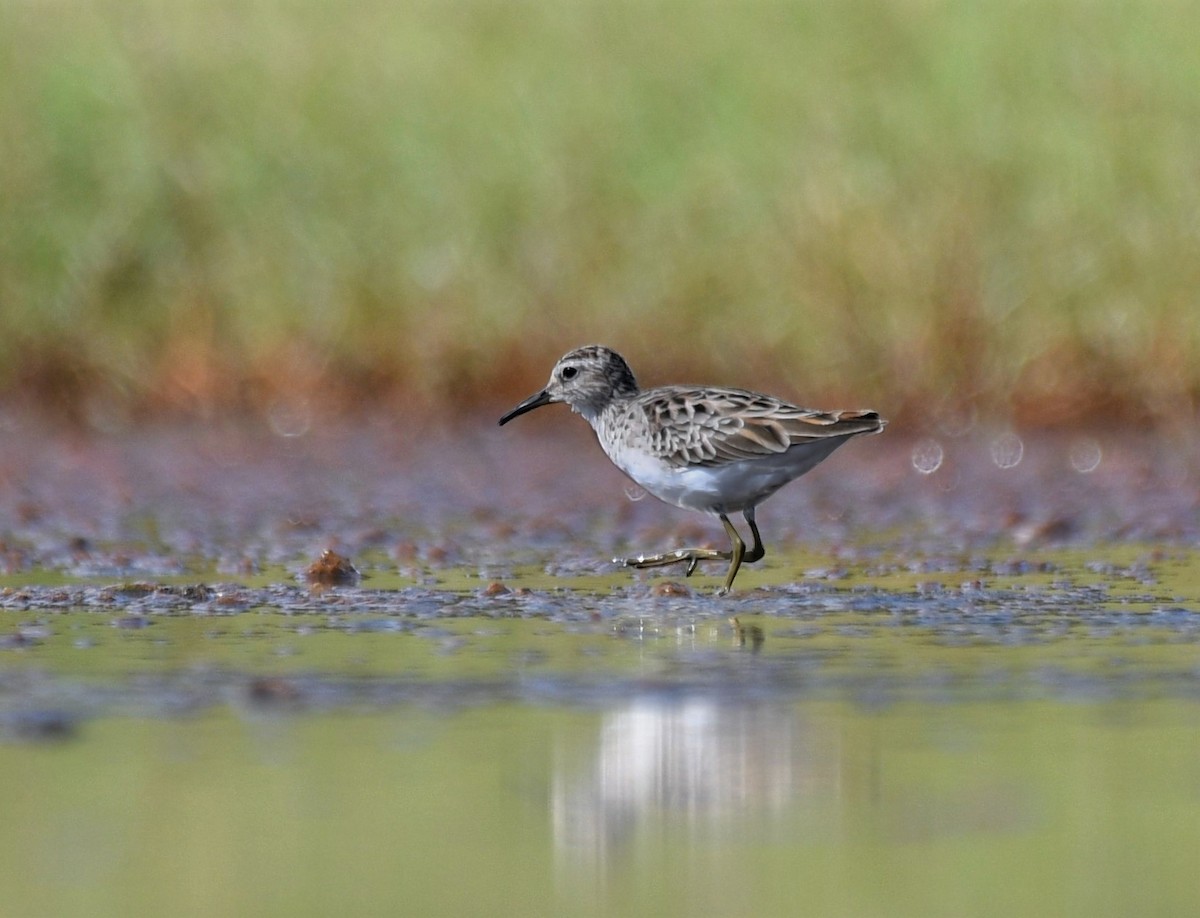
928 207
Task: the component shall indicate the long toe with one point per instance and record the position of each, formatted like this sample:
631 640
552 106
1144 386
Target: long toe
689 556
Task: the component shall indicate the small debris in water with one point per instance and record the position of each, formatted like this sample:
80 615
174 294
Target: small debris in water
196 592
29 511
1056 529
443 554
670 588
826 573
743 633
13 559
41 726
138 588
132 622
234 599
17 640
331 569
272 690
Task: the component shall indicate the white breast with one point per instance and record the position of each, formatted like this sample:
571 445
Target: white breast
725 488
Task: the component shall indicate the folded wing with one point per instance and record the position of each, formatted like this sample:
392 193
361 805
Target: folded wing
711 427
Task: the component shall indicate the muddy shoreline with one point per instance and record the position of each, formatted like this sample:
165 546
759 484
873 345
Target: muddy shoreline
160 502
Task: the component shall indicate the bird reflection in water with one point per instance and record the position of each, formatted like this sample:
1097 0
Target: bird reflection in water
703 767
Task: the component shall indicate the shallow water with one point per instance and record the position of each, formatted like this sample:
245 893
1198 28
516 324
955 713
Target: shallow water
652 806
966 689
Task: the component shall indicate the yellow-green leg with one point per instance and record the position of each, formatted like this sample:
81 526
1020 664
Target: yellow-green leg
735 555
693 556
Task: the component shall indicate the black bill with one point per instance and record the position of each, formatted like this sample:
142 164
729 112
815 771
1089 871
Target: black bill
534 401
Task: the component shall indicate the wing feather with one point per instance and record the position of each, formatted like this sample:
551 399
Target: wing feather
711 427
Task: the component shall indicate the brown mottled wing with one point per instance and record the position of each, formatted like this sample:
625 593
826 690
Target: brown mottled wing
710 427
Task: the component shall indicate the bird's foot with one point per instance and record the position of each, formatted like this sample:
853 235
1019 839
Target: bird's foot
689 556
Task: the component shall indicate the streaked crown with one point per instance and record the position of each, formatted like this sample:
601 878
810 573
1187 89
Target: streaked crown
589 378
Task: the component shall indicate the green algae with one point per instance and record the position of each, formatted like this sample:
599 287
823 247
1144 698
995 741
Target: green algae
984 732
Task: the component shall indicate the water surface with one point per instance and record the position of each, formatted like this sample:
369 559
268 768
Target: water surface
962 687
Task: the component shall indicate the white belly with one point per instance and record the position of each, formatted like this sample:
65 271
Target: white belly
725 488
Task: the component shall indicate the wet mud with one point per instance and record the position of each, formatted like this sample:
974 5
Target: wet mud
183 568
332 667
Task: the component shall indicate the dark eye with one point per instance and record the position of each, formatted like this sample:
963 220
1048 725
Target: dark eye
569 372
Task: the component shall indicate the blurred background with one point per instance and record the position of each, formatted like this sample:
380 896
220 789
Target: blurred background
943 210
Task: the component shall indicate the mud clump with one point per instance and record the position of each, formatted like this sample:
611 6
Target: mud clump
274 691
332 569
670 588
